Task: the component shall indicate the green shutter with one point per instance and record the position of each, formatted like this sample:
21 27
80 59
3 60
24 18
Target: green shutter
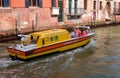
70 5
60 11
75 7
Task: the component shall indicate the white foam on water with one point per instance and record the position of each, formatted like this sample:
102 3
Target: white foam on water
8 62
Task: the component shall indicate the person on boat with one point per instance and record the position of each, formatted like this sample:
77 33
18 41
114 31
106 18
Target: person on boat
78 32
73 33
83 33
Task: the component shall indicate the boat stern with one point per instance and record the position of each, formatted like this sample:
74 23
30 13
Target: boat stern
20 51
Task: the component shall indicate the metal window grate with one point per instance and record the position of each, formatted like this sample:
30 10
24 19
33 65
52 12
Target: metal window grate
33 2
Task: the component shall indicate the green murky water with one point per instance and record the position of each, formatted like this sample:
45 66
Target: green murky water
99 59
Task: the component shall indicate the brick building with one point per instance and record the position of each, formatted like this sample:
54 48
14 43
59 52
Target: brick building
28 15
82 11
33 15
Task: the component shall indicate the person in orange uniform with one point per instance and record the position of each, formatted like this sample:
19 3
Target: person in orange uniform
83 33
78 32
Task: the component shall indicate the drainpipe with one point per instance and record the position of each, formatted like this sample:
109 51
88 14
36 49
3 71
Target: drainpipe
18 23
91 17
32 25
16 28
36 21
97 11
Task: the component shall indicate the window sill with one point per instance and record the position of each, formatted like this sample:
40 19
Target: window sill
5 8
32 7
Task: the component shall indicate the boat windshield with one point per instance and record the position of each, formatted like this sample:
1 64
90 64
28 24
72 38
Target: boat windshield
24 39
34 40
28 39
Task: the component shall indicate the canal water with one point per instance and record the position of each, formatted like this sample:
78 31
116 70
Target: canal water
99 59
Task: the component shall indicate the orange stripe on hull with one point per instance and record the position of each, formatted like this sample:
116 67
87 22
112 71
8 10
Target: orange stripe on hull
11 50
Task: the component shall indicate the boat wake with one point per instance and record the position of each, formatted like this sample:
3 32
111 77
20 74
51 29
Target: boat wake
77 52
8 62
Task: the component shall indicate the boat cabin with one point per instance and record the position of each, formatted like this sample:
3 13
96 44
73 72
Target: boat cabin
49 37
45 38
45 42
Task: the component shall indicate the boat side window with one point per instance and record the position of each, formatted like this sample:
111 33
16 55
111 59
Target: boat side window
51 38
56 37
37 38
31 37
43 42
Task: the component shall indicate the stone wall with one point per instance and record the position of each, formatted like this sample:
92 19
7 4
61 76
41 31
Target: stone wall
26 19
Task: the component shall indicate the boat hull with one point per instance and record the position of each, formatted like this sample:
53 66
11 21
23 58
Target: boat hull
59 47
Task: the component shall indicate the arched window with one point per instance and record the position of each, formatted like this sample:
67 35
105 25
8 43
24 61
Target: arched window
100 5
94 5
108 7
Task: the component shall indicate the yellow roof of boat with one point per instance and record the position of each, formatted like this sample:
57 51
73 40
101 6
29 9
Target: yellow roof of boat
49 32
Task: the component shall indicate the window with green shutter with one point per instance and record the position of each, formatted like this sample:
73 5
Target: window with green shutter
70 6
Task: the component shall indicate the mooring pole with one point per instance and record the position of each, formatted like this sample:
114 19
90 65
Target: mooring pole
36 21
16 30
33 25
18 23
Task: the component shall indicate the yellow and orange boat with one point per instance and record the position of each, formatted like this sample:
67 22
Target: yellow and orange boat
48 41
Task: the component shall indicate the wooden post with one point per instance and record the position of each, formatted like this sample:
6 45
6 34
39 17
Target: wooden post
36 21
16 31
33 25
18 23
